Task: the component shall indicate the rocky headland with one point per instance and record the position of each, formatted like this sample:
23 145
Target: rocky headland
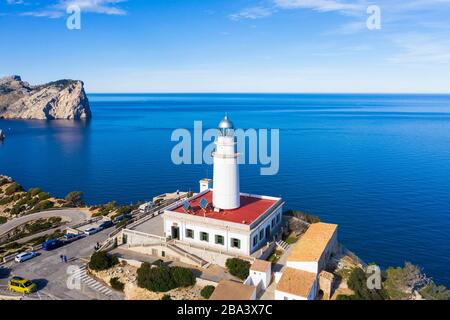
62 99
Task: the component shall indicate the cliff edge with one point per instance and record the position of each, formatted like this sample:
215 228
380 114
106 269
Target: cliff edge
63 99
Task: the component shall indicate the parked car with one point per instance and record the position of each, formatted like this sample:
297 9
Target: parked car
52 244
91 231
24 256
71 237
106 225
122 217
21 285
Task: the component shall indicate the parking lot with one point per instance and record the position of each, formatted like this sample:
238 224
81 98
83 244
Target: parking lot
51 275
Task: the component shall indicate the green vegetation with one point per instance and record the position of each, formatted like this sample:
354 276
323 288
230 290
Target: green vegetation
74 199
400 282
43 205
13 188
238 267
105 209
358 283
207 291
102 261
166 297
5 200
116 284
397 284
163 279
3 181
35 226
275 256
303 216
3 220
435 292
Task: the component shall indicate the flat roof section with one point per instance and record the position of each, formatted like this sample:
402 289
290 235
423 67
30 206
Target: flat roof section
252 207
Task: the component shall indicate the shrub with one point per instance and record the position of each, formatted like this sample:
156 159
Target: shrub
34 191
116 284
13 188
182 277
3 220
207 291
75 199
5 200
43 196
155 279
435 292
357 281
45 204
163 279
3 181
238 267
166 297
102 261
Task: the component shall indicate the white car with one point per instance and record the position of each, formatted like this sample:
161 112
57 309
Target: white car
91 231
24 256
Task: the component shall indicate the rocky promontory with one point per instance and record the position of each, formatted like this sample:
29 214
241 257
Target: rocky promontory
62 99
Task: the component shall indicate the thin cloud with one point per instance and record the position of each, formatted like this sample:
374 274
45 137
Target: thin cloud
421 48
58 9
252 13
322 6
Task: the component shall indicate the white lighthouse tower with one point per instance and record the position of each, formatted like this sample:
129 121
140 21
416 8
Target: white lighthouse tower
226 193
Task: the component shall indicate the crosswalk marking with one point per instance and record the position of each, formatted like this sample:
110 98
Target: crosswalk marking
81 273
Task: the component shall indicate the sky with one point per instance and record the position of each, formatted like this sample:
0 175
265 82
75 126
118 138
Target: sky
304 46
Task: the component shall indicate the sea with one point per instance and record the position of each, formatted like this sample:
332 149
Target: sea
377 165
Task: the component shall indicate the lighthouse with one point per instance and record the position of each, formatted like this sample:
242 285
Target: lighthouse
226 193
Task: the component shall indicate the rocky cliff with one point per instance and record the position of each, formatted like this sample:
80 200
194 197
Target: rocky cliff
63 99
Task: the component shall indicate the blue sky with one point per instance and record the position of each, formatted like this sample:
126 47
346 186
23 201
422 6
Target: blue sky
230 45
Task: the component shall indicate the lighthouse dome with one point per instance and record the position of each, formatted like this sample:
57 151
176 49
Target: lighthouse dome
226 123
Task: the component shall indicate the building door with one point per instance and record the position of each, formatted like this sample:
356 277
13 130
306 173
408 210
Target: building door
175 233
268 233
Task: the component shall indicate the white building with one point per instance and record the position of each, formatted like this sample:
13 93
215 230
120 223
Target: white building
299 280
260 274
223 219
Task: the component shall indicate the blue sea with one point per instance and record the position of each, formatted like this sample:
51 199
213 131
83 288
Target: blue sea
378 165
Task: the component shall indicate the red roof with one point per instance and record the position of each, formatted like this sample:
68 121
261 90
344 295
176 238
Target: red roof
251 209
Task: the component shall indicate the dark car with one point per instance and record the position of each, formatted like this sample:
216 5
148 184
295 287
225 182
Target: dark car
106 225
52 244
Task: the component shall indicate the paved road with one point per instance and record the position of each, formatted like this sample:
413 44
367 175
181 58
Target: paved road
75 216
52 275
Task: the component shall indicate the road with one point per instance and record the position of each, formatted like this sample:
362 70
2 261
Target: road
52 275
75 216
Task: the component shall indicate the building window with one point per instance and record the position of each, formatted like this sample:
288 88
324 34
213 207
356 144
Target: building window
219 239
261 235
190 233
279 217
204 236
273 222
255 240
235 243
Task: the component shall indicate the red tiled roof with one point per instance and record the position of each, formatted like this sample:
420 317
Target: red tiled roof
250 210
